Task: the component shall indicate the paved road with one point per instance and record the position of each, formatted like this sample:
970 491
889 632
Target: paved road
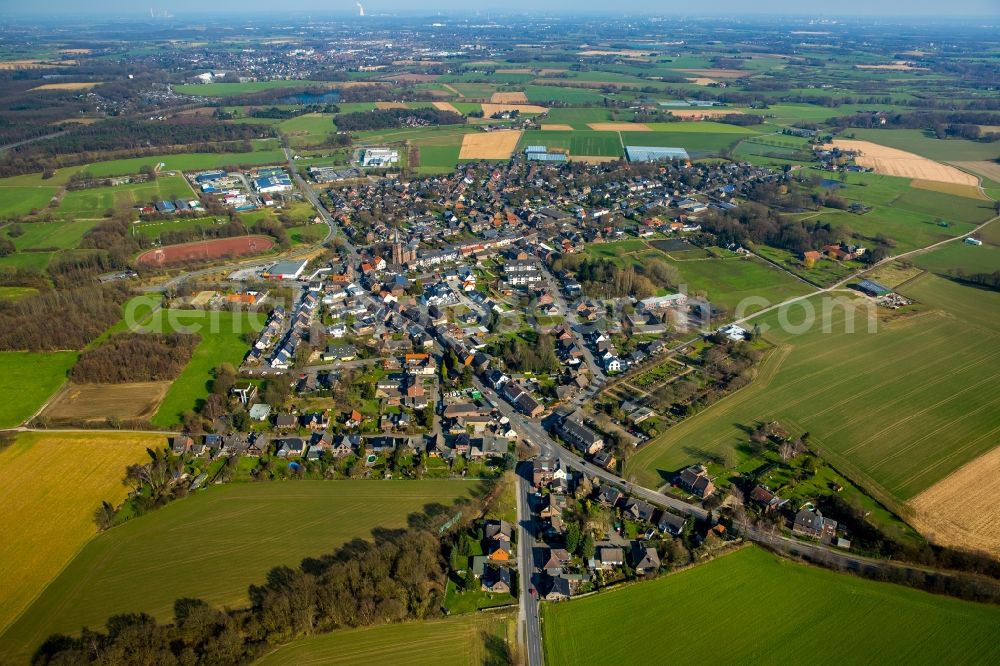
537 435
529 625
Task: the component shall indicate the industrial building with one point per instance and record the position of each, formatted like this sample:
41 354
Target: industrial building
655 154
272 182
284 270
378 157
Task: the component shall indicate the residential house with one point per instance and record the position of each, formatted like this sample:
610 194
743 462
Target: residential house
811 522
695 480
557 559
644 559
496 579
557 588
766 499
671 523
498 530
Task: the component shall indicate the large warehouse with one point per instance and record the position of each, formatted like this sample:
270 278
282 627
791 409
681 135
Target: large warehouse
284 270
655 154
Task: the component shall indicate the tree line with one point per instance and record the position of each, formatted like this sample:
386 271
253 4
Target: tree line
135 357
392 118
603 278
399 576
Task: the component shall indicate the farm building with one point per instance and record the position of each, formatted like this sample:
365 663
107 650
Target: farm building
284 270
873 288
973 241
655 154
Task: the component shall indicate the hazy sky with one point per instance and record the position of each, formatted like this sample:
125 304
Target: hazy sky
896 8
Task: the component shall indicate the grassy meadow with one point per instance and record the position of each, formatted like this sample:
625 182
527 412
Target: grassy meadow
773 611
52 484
471 639
27 380
896 410
213 545
222 341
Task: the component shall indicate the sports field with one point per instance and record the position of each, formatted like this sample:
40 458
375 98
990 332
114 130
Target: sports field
214 544
221 342
27 380
52 484
899 409
774 612
471 639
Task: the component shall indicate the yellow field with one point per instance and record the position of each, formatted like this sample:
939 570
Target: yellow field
960 510
390 105
702 81
66 86
52 484
446 106
619 127
557 127
489 145
968 191
984 168
489 109
895 162
509 98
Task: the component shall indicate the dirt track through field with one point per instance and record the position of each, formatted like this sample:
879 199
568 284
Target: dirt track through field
446 106
895 162
984 168
489 145
961 509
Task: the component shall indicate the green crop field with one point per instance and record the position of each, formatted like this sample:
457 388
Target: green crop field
232 89
221 342
432 134
17 201
896 410
214 544
774 611
583 142
578 118
541 94
697 144
27 380
94 202
464 639
924 143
